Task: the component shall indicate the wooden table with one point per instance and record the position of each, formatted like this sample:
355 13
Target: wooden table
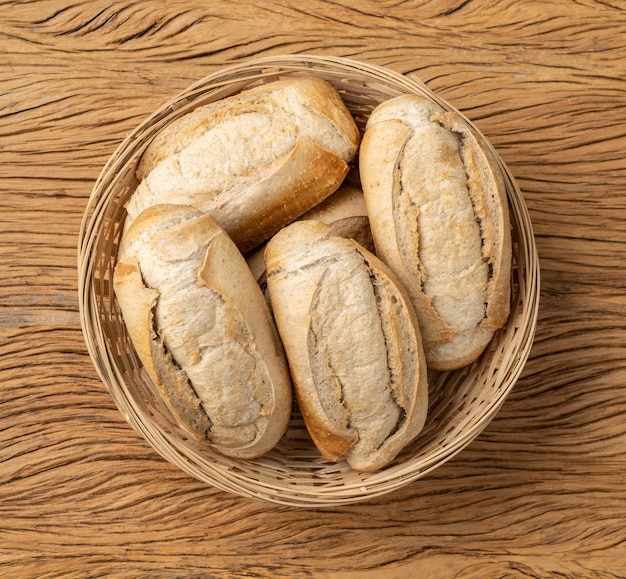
541 493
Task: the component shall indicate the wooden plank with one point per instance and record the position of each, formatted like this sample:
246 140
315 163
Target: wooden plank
539 494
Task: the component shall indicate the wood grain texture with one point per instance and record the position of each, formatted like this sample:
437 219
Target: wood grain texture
539 494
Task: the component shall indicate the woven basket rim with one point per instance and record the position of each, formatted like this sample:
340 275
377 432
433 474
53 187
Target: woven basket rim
100 224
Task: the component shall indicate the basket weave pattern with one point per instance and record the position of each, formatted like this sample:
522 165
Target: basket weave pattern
461 403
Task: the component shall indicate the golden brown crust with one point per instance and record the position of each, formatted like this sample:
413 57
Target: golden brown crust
256 160
344 211
307 176
353 344
332 442
439 218
203 330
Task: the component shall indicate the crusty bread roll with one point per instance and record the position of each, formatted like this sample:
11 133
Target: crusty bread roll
203 331
255 160
352 342
344 211
439 218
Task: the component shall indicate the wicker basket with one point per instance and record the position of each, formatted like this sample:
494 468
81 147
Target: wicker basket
461 404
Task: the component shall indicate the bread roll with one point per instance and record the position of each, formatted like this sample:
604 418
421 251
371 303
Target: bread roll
255 160
352 342
344 211
439 219
203 331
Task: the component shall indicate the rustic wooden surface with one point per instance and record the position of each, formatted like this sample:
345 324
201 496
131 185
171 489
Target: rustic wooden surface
541 493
